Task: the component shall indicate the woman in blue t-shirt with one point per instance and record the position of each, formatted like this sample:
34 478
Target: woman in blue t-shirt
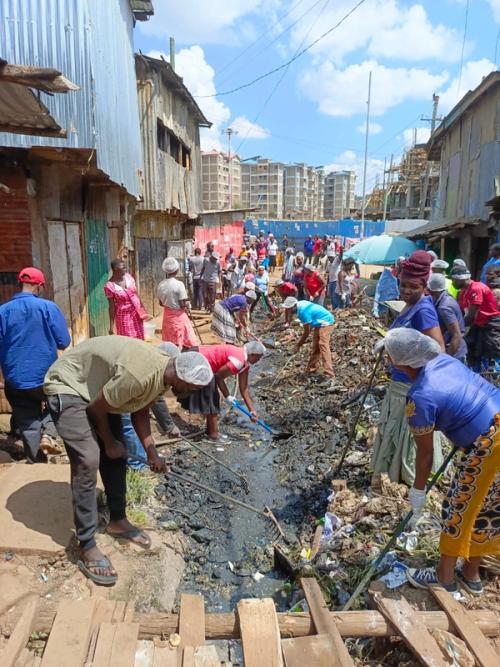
447 396
394 446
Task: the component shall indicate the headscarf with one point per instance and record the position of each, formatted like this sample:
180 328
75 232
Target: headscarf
416 267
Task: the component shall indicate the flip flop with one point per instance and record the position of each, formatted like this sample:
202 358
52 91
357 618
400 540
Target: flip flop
101 579
130 534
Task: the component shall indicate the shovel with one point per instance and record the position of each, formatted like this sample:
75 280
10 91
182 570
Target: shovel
283 435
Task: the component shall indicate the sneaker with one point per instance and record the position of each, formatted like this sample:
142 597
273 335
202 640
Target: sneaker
426 576
472 587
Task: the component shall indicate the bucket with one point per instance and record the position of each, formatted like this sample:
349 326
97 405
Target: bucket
149 330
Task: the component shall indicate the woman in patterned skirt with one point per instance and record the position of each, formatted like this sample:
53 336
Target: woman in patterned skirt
447 396
126 313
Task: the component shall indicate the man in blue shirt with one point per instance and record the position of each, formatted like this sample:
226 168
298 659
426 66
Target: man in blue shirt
31 331
321 321
494 259
451 320
308 248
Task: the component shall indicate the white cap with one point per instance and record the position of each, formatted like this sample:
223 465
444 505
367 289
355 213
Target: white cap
251 295
254 347
439 264
289 302
170 265
409 347
193 368
437 282
279 282
271 234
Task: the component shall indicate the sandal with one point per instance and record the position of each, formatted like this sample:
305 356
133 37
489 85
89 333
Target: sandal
85 566
130 534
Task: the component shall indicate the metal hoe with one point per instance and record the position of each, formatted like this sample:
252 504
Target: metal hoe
390 544
285 435
360 410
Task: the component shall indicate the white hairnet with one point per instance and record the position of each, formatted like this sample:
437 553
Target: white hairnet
193 368
300 254
170 265
250 286
170 349
251 295
279 282
439 264
437 282
254 347
432 254
289 302
409 347
459 262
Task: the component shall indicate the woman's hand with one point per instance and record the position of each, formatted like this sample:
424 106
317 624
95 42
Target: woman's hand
111 331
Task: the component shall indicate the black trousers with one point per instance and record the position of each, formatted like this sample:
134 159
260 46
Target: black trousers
86 456
31 418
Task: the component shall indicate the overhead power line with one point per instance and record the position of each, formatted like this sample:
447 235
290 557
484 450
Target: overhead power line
293 59
463 47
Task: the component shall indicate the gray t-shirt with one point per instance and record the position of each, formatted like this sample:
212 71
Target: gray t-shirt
211 271
195 265
171 292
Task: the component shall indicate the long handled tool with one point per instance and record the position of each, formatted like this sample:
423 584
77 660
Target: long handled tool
278 435
399 529
266 512
358 415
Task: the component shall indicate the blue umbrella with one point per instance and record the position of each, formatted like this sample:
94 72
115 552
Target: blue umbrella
381 249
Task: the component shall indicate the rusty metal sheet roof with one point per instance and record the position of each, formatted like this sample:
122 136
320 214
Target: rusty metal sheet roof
142 9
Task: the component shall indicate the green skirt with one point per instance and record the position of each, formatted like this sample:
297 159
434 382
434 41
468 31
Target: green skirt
394 449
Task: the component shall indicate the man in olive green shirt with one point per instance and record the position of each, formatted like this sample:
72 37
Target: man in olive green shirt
87 390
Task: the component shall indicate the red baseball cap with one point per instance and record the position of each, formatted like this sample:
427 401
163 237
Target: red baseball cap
31 275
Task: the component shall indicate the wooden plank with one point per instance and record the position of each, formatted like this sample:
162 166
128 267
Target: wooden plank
414 633
192 620
260 634
103 613
69 638
124 645
128 614
315 650
206 656
318 533
19 637
165 656
188 656
119 612
323 621
465 628
104 645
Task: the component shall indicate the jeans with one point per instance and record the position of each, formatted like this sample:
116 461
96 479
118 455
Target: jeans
30 417
132 443
334 297
197 294
86 456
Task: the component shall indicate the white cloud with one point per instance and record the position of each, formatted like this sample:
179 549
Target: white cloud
199 76
383 28
192 21
375 128
495 8
414 38
423 134
350 161
343 92
472 74
248 130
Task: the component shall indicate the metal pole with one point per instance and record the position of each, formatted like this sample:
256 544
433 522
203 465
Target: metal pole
172 53
366 154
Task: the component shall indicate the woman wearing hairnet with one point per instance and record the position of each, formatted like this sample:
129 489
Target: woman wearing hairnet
446 396
224 360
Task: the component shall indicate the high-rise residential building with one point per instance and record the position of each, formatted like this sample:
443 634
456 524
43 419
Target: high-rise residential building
339 194
221 180
262 187
303 192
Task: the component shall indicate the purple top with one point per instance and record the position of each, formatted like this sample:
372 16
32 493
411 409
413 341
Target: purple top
235 302
421 316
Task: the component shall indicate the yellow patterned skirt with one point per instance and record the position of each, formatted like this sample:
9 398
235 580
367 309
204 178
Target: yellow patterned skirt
471 510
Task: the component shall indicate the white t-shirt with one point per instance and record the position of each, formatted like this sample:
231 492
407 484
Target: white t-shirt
333 269
171 292
272 249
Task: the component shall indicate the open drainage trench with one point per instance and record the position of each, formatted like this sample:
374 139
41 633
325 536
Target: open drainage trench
231 554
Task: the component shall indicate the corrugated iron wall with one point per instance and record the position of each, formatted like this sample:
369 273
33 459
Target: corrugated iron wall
225 236
90 42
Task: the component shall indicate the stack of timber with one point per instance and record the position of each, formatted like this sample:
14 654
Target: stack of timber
103 633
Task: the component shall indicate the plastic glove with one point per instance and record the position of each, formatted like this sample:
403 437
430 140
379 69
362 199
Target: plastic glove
311 298
343 298
378 347
231 400
417 498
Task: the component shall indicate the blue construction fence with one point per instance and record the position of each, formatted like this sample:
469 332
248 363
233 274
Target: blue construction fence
298 230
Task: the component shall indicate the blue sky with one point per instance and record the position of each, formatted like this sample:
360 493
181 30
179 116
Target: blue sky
316 112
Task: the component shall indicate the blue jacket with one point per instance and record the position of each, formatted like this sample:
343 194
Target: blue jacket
31 331
308 246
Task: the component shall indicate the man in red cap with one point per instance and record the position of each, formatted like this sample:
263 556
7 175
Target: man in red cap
31 331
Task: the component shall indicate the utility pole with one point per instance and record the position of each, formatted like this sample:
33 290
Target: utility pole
425 189
230 133
366 154
389 183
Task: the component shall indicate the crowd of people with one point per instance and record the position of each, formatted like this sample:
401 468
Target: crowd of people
443 345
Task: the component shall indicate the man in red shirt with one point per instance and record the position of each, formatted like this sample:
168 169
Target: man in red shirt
314 284
482 314
316 250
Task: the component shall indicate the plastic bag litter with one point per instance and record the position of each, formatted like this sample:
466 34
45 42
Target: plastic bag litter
396 577
408 541
332 524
